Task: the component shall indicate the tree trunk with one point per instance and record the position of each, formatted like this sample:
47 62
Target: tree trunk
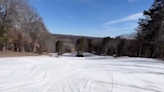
4 47
140 51
22 46
155 49
34 49
116 49
30 48
12 48
152 51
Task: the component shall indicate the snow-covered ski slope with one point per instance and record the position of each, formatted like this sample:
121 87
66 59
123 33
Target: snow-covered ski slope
88 74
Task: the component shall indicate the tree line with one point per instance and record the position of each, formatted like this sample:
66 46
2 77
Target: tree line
147 41
22 29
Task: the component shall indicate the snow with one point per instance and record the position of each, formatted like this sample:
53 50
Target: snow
87 74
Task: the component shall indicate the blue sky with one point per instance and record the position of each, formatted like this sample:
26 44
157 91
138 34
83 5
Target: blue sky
97 18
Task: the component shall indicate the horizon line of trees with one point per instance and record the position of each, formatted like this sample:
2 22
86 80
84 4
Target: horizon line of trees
148 41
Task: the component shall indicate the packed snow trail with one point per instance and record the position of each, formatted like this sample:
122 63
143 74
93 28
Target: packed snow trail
72 74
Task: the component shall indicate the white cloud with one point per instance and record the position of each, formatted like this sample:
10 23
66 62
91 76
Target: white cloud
123 25
132 0
129 18
126 26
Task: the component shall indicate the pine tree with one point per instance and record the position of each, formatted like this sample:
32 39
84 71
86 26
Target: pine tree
59 47
90 45
152 27
105 45
81 46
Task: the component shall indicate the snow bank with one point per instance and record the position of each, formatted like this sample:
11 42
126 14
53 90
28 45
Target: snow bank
72 74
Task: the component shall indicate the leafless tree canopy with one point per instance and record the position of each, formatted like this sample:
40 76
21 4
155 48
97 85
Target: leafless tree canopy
22 29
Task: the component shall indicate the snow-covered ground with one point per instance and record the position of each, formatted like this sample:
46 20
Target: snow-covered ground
87 74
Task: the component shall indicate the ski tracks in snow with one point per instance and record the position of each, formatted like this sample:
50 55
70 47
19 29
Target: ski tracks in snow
79 75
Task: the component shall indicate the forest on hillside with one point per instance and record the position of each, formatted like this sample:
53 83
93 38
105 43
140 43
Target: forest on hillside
22 29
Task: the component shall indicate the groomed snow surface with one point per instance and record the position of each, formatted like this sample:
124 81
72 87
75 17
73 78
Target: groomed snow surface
87 74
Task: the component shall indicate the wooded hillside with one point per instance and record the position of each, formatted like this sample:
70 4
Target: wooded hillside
22 29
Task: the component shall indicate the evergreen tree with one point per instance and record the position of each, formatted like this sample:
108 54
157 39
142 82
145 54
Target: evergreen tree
90 45
105 45
59 47
81 45
152 28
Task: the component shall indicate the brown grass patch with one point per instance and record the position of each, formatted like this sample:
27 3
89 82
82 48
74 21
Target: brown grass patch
16 54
